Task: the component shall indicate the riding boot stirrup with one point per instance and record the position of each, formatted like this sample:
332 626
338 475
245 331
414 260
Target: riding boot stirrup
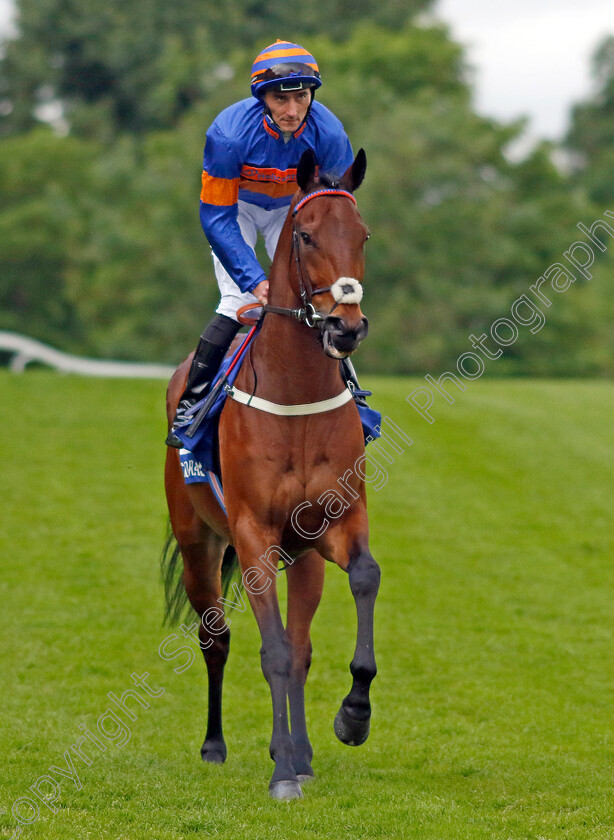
212 348
351 380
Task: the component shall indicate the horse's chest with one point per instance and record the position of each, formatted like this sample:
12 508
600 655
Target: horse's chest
304 481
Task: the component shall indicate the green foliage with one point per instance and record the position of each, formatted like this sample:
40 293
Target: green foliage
139 66
103 251
42 181
113 67
138 278
459 231
591 135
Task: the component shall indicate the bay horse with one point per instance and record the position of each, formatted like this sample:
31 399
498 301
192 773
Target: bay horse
289 485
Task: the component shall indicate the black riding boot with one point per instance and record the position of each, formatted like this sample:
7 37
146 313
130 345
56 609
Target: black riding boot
212 347
351 380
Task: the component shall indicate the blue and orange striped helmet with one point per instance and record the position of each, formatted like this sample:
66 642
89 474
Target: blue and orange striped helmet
285 66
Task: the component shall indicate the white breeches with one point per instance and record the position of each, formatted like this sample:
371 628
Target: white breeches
252 221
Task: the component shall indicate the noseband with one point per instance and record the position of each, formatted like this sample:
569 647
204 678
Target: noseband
307 313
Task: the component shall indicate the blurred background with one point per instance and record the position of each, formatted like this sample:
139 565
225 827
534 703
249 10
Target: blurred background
489 130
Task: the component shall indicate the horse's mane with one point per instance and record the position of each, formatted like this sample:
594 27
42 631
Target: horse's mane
328 180
325 180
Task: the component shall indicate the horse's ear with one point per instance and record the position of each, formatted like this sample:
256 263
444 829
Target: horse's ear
354 177
306 170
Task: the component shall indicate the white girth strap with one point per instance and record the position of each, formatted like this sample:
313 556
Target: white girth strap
290 410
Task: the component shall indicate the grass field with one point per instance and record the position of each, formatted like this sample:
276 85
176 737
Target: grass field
493 712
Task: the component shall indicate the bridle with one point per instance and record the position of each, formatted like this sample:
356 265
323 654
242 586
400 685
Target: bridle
343 290
307 313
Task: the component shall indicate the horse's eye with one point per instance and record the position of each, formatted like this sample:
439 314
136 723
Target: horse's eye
306 238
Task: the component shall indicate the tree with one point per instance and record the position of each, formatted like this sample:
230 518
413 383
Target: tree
113 67
139 66
591 134
42 181
103 251
459 231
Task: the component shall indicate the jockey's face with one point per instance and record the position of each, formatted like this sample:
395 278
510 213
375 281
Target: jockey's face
288 108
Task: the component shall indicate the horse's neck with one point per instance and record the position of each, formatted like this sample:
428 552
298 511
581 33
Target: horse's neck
290 363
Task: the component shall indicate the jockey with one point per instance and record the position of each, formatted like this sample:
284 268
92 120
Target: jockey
252 151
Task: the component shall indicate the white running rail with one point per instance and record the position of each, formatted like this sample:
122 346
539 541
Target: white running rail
26 350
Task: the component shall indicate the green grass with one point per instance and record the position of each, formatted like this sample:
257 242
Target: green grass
492 708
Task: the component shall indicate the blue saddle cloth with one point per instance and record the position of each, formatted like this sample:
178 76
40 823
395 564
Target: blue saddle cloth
200 454
204 443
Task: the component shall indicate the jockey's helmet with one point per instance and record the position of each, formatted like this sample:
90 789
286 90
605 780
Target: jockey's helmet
286 67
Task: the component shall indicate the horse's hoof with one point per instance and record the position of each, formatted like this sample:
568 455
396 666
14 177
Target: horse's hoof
351 731
303 769
213 752
285 791
213 756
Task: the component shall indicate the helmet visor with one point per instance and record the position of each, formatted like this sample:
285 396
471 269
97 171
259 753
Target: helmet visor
287 77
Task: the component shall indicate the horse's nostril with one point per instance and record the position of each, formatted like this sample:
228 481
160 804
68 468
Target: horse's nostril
337 328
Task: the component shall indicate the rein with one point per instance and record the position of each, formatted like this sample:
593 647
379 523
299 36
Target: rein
307 313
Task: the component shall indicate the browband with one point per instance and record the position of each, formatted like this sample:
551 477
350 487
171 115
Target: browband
317 193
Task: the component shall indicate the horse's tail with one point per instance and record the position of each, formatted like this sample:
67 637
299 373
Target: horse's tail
171 571
230 570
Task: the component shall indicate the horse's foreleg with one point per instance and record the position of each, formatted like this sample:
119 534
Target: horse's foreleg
353 718
275 656
305 584
352 554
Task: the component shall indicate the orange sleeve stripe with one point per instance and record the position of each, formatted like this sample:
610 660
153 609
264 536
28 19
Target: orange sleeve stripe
222 192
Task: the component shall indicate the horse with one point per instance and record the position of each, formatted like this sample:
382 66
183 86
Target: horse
292 492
